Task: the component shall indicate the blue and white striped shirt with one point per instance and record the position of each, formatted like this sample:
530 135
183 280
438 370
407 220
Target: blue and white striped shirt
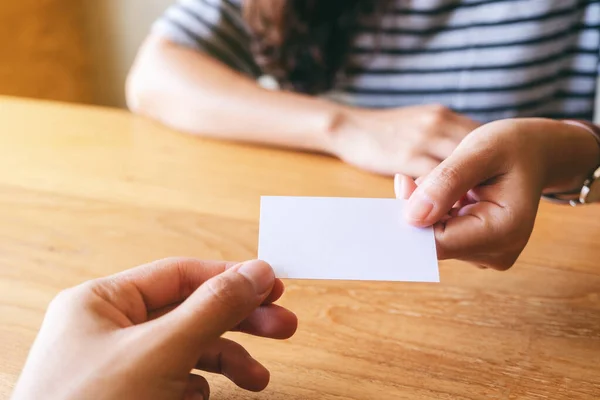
487 59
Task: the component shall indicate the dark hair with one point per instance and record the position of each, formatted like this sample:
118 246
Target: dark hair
304 44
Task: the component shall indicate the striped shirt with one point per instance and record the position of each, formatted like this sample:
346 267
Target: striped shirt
487 59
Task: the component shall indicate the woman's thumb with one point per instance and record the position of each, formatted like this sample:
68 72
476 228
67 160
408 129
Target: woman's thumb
448 183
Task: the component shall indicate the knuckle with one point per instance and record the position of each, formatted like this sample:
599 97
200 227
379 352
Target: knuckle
412 152
106 288
437 114
447 177
440 110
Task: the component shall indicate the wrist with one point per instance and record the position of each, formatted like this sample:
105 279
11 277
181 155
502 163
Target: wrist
344 121
570 152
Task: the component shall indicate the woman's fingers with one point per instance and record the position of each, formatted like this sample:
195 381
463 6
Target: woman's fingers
446 185
403 186
482 233
469 230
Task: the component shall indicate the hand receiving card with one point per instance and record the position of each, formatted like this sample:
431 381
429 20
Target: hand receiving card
346 239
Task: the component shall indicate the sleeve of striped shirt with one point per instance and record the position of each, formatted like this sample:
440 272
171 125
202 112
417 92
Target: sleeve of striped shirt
215 27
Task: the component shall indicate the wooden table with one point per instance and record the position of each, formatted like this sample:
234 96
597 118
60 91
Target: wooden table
86 192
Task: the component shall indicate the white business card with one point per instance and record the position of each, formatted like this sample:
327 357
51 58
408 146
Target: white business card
346 239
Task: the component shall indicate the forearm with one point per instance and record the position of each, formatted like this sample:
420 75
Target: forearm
570 154
194 93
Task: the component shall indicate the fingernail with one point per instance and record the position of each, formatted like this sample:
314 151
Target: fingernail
197 396
260 274
419 207
401 186
398 189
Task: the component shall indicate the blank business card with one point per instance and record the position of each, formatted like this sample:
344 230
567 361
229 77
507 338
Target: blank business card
344 238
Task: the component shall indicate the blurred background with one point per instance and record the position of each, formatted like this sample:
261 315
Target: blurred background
73 50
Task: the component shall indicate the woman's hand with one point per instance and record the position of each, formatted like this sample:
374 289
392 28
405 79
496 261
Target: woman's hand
483 199
410 140
139 334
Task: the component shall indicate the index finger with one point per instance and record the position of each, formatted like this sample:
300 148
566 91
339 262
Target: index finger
169 281
469 166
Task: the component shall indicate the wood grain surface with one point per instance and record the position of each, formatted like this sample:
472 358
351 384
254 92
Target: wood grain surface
43 51
85 192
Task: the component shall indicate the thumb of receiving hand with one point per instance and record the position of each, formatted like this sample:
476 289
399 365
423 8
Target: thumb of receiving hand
220 304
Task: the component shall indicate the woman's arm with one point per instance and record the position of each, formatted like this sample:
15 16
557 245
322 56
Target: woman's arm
190 91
